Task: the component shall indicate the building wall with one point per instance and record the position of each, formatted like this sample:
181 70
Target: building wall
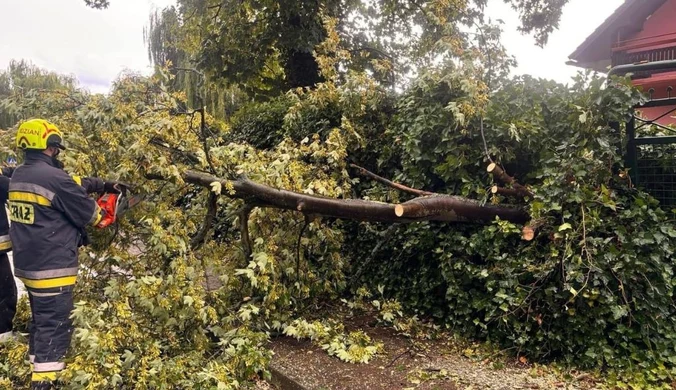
659 84
663 21
658 32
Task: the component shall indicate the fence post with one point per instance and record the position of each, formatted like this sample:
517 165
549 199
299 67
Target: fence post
630 157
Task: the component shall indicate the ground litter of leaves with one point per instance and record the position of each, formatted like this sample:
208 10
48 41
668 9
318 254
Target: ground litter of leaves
410 364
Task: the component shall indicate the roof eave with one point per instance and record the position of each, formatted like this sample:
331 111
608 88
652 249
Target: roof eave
627 10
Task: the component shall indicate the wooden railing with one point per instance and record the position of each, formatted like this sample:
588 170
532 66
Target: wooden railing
663 54
647 49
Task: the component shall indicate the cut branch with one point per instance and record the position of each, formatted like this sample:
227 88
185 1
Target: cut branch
506 192
365 172
528 232
247 247
208 221
500 175
455 208
431 208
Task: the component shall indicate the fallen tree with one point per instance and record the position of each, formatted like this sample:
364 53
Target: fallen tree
436 207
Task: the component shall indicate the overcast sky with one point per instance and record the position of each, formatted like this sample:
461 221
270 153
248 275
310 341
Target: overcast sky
96 45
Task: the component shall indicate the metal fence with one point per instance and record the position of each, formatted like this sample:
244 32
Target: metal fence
656 168
651 147
651 154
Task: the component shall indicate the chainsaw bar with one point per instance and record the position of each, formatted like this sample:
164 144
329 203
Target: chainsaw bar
126 203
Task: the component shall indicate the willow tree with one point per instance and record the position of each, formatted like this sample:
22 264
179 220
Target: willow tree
21 77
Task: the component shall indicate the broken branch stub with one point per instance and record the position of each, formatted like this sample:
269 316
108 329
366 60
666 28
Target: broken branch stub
499 174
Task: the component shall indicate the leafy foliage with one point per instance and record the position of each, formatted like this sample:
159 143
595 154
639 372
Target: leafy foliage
392 40
152 309
354 347
97 4
165 301
261 125
594 289
539 17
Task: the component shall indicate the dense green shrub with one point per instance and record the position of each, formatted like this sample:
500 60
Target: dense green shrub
595 288
260 124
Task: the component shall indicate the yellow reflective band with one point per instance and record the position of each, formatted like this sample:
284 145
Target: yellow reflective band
44 376
29 197
99 216
77 179
5 245
49 283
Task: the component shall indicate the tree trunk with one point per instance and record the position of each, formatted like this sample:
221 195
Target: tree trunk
430 208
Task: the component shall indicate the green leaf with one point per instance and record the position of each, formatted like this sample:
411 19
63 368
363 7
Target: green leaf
564 227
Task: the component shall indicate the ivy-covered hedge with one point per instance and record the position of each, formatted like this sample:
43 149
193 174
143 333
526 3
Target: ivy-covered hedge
595 288
260 124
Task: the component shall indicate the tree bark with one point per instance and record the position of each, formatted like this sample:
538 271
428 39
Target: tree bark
244 230
454 208
499 174
208 221
430 208
506 192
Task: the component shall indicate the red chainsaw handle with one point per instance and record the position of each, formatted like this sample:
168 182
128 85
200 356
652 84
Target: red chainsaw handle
108 204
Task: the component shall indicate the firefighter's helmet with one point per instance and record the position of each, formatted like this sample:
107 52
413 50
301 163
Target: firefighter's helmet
38 134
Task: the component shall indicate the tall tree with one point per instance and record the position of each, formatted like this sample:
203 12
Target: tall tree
271 46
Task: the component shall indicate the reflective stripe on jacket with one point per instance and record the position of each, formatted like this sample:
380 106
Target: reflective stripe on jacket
49 212
5 242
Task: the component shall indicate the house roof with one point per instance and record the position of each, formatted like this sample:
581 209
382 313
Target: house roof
595 51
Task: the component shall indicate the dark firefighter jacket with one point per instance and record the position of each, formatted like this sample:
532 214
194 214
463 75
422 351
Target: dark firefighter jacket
5 243
49 211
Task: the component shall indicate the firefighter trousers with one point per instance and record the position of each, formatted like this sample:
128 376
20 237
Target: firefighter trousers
7 295
50 333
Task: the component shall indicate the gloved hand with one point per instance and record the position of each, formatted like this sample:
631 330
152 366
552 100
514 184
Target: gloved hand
114 187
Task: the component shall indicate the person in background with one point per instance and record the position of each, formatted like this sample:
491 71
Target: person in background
7 285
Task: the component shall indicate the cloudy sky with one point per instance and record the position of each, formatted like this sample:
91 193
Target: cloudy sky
95 46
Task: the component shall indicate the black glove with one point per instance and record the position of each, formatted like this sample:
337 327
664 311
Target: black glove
114 187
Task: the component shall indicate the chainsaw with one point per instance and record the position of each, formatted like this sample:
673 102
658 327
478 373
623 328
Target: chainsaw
115 205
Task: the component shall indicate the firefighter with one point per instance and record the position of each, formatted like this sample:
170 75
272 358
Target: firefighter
7 285
49 211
